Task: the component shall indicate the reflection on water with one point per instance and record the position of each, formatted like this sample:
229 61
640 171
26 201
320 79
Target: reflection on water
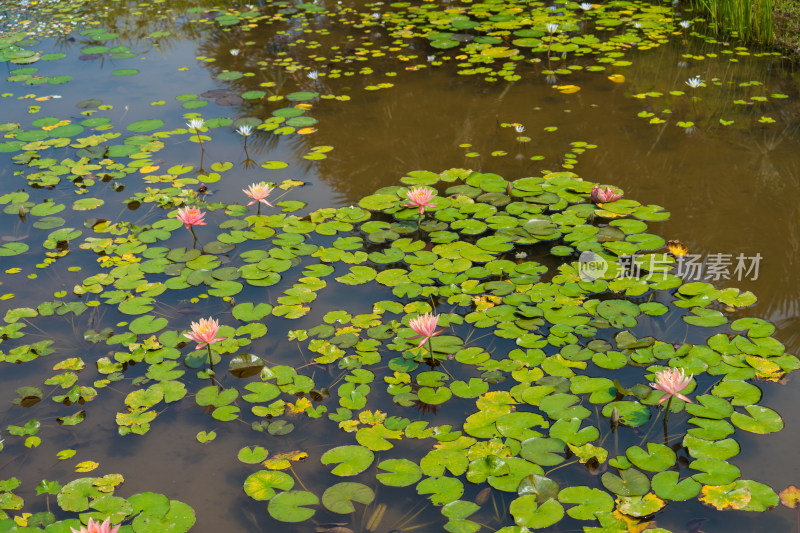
731 189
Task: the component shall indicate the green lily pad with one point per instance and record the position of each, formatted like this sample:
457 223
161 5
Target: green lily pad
399 472
590 501
291 506
261 485
667 485
350 460
629 482
527 513
340 497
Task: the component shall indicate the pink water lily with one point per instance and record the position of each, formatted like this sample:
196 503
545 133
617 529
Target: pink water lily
97 527
259 192
425 326
420 197
191 216
672 381
204 332
605 195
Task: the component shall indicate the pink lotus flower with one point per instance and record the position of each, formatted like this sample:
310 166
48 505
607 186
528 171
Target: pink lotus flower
97 527
425 326
602 195
191 216
204 333
420 197
672 381
259 192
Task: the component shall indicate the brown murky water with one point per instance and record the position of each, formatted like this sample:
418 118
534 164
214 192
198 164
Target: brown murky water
730 189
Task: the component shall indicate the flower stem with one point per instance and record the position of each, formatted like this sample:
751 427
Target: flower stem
210 359
666 418
430 349
194 244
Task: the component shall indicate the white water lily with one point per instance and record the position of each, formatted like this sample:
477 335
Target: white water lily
196 124
586 6
685 24
519 128
244 130
552 27
695 82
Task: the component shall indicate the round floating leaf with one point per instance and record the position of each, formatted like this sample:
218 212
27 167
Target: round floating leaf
74 496
741 393
261 485
727 496
543 451
639 506
762 497
351 459
301 122
145 325
719 449
146 125
657 457
590 501
761 420
253 455
125 72
443 490
542 487
715 471
340 497
69 130
289 506
12 248
790 496
401 472
528 514
630 413
630 482
136 305
667 485
301 96
706 317
245 365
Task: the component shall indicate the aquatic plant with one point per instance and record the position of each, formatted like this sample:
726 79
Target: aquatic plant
259 192
602 195
750 20
97 527
191 217
671 381
531 346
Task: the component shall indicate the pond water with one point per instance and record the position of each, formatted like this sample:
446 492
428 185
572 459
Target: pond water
346 99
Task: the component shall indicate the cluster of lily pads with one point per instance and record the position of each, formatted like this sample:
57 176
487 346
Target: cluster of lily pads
539 378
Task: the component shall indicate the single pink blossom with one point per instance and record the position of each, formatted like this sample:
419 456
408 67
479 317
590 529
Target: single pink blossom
259 192
420 197
204 333
672 381
191 216
425 326
605 195
97 527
